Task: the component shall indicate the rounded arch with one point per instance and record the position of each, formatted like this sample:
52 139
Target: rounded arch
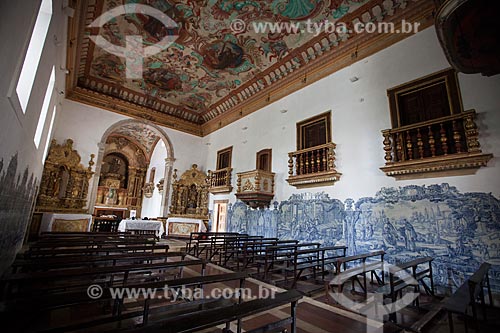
160 132
168 160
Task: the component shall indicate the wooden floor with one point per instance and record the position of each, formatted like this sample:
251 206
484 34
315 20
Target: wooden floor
316 315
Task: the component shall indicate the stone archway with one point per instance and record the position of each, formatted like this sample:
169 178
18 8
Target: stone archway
126 125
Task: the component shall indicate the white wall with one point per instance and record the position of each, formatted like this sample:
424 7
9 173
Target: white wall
151 207
17 129
360 111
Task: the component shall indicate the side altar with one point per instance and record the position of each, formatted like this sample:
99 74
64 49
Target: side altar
189 205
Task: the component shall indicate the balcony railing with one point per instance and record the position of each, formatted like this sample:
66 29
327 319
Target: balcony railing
220 180
255 188
439 147
313 166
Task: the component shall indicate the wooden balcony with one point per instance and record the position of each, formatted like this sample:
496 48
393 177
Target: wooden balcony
255 188
313 166
447 146
220 181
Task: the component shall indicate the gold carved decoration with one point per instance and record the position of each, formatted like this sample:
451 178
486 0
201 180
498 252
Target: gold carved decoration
65 181
160 185
62 225
190 194
255 188
123 173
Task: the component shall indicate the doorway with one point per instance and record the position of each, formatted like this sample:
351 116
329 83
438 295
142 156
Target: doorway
220 213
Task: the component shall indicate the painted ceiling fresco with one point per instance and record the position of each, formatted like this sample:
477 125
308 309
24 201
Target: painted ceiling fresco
211 66
141 134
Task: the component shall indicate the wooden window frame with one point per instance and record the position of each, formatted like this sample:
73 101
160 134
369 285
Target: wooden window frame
263 152
448 76
228 150
302 126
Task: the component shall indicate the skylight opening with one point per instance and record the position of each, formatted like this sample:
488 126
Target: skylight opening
45 108
33 54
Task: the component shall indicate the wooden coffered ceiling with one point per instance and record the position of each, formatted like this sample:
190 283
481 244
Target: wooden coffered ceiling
211 75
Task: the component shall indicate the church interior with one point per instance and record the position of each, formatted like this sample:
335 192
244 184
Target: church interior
250 166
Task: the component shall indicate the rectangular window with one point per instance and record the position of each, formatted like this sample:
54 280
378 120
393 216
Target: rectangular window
33 54
49 134
45 108
431 97
224 158
264 160
314 131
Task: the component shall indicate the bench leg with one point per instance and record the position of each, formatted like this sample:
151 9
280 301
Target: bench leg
450 321
293 314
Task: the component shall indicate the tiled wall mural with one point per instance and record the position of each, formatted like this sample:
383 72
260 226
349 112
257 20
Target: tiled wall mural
460 230
17 195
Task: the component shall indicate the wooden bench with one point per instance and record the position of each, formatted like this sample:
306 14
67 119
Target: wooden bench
277 258
192 322
70 279
252 253
416 276
464 299
194 237
103 250
236 252
58 262
87 243
143 307
352 274
314 259
221 245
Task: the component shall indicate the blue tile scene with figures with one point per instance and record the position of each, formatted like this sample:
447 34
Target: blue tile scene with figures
460 230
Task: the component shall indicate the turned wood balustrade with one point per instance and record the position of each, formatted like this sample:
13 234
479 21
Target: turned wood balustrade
455 134
312 160
220 180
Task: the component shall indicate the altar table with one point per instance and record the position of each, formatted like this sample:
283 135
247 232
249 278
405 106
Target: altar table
59 222
126 225
183 226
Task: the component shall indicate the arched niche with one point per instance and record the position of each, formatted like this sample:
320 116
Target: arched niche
135 140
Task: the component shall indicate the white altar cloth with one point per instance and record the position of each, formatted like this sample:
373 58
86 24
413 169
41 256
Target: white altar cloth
184 226
49 218
142 225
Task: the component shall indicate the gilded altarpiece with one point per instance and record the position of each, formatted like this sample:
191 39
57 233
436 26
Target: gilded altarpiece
65 181
190 194
122 175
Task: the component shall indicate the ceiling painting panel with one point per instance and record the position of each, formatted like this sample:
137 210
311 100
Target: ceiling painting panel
214 66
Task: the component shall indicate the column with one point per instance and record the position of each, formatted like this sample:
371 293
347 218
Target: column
95 178
169 164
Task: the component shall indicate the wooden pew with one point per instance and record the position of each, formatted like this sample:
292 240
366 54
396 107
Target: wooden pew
69 279
464 300
205 247
278 258
47 236
345 273
192 322
103 250
221 244
251 251
59 262
87 243
398 283
314 259
194 237
142 307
